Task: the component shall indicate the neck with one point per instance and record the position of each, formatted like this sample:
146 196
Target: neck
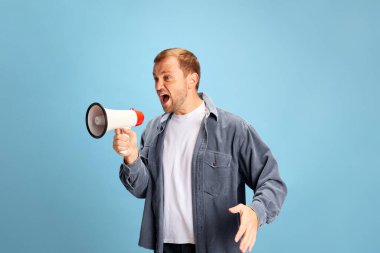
191 103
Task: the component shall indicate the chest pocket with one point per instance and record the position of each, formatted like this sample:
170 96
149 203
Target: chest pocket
217 173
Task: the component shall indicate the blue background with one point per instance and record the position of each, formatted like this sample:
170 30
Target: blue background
304 73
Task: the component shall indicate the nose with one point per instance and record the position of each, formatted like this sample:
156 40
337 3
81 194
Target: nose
158 84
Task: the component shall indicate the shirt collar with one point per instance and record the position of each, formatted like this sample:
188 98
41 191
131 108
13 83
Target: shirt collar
209 104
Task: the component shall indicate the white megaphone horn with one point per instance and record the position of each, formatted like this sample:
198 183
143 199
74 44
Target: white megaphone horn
100 120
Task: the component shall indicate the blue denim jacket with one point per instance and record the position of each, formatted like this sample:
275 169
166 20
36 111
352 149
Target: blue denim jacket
228 155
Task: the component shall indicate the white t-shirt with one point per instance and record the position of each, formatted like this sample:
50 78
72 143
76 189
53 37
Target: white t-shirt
179 143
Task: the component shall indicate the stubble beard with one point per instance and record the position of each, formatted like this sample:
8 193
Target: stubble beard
179 102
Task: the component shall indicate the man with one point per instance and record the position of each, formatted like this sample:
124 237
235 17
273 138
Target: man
192 167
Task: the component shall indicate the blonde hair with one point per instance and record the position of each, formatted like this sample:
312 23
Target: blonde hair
188 62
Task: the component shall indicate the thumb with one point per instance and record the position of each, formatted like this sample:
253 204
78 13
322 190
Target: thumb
235 209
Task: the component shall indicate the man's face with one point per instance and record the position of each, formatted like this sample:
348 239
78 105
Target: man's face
171 85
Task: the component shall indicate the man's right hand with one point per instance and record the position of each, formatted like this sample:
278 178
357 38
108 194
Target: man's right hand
125 144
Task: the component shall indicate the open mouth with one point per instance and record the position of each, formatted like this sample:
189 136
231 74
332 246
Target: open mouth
164 98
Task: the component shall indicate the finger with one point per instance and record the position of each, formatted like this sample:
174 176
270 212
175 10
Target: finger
252 242
127 137
122 151
120 143
240 233
117 131
126 130
122 137
236 209
119 148
245 242
129 132
244 239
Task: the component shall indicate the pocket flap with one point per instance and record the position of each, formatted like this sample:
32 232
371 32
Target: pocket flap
216 159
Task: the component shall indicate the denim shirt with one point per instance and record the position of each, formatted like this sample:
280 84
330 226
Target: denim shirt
228 155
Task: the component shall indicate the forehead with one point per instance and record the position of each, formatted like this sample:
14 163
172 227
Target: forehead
168 64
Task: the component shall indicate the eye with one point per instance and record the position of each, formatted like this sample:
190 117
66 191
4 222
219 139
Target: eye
155 79
167 78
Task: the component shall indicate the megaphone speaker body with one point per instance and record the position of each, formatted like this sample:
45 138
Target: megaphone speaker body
100 120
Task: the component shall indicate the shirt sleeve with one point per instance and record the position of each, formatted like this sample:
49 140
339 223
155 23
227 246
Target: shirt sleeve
260 171
135 176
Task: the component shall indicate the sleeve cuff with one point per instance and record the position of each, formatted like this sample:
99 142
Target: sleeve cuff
259 209
133 167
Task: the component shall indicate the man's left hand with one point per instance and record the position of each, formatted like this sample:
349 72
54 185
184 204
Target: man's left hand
248 227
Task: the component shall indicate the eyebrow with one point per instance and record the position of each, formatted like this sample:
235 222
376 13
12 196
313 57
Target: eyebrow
163 72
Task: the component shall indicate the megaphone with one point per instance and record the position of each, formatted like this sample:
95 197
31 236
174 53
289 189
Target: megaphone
100 120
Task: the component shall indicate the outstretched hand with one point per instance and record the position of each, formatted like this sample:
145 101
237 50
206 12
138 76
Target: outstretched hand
248 227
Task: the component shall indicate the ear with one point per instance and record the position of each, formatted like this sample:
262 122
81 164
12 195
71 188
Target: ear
192 80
